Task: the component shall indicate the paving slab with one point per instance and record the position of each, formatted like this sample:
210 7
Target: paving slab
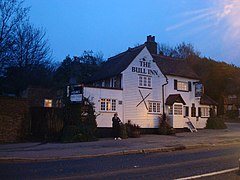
110 147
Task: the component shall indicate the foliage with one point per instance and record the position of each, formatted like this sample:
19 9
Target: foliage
215 123
80 123
219 78
123 131
25 57
164 127
78 68
133 130
232 114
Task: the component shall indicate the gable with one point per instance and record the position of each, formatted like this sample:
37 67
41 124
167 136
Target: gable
116 64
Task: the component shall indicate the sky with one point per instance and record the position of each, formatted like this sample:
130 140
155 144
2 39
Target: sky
109 27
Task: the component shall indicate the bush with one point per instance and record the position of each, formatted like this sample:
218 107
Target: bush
123 132
79 123
133 130
232 114
215 123
164 127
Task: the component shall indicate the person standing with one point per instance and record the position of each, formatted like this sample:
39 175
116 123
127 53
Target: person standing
116 124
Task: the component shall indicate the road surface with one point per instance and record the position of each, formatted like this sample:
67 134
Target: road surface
168 165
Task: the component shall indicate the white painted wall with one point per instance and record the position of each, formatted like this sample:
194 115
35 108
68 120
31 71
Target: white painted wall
131 95
189 98
104 119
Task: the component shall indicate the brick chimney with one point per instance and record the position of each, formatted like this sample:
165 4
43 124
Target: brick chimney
151 44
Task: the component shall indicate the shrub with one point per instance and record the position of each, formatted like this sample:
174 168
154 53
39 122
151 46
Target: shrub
133 130
79 123
232 114
123 131
164 127
215 123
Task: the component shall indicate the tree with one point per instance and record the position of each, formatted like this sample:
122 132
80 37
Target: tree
25 57
181 51
11 15
80 68
30 47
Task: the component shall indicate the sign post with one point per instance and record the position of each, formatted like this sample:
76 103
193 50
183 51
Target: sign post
75 93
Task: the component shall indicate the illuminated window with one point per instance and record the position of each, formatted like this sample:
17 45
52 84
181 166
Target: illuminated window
154 107
182 86
170 110
108 104
144 81
48 103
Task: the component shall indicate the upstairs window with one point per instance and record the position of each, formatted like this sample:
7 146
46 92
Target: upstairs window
182 85
144 81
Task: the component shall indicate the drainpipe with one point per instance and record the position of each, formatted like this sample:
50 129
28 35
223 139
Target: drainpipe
163 98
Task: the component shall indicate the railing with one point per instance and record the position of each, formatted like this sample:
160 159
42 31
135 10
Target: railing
191 127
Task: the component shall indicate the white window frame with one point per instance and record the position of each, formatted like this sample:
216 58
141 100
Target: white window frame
205 111
182 86
108 105
144 81
154 107
178 112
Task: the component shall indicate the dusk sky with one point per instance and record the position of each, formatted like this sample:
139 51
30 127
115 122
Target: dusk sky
110 27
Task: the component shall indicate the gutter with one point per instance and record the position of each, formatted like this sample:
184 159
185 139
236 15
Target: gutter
163 98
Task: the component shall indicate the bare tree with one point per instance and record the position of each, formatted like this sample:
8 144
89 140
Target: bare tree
11 15
30 47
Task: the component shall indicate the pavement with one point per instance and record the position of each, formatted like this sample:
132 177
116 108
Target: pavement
109 146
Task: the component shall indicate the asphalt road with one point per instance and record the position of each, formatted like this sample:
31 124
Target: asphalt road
169 165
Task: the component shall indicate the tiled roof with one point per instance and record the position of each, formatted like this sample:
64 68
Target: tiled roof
174 67
116 64
168 66
174 98
206 100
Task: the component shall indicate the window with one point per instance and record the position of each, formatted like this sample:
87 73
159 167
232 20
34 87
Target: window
170 110
108 105
182 86
177 109
47 102
144 81
204 112
193 110
186 111
154 107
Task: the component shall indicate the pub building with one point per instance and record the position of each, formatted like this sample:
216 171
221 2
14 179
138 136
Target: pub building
140 85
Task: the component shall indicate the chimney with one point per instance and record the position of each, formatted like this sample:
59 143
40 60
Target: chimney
151 44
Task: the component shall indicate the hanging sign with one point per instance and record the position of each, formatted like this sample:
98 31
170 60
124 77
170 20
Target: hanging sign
75 92
198 90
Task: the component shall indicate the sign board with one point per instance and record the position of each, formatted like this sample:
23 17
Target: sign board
75 92
198 90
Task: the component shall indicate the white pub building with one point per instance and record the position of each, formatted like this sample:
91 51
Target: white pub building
141 85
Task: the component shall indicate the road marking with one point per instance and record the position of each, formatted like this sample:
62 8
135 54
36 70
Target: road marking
209 174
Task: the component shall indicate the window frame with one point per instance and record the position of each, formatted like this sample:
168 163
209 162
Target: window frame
144 81
108 105
154 107
174 110
205 112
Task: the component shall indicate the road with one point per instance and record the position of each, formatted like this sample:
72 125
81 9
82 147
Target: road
169 165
